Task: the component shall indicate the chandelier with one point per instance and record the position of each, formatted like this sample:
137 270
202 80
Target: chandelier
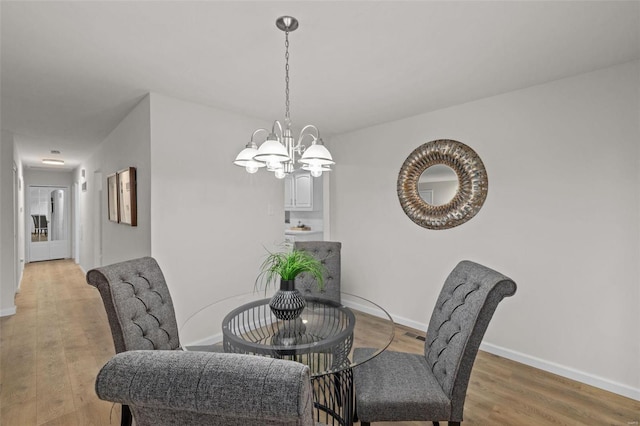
279 151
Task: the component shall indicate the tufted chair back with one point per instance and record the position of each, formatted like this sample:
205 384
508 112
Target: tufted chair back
328 252
138 305
459 320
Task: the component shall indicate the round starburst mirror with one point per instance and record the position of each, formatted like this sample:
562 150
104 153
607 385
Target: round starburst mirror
442 184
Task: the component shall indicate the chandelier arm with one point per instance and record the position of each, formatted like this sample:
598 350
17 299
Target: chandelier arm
300 148
258 131
309 126
273 128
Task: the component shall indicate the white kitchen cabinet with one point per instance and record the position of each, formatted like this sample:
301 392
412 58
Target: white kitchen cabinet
298 192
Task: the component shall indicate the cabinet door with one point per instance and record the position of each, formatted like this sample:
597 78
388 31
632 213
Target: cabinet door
303 191
288 192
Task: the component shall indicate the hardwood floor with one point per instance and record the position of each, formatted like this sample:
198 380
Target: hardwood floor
52 349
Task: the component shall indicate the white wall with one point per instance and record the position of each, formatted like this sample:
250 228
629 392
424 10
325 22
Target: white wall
48 178
87 212
211 221
7 256
19 210
128 145
561 218
103 242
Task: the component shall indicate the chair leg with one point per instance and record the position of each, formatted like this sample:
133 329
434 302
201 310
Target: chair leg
127 419
365 424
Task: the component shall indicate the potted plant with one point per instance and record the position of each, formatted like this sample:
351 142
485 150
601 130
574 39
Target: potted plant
287 302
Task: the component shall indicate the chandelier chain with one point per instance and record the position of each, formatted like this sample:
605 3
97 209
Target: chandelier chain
287 116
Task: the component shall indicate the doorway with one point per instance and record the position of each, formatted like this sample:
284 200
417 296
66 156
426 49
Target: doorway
49 213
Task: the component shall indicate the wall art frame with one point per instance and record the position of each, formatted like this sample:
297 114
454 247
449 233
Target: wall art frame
112 198
127 197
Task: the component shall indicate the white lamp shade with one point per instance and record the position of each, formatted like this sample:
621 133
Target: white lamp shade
245 158
272 151
317 155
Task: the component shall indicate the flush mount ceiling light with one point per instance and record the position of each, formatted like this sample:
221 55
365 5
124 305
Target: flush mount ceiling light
279 151
53 161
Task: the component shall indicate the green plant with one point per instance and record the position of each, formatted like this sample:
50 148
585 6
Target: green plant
288 265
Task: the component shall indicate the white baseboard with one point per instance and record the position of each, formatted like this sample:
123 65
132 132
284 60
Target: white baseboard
564 371
8 311
410 323
376 313
551 367
210 340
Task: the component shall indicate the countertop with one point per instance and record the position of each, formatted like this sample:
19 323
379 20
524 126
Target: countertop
294 232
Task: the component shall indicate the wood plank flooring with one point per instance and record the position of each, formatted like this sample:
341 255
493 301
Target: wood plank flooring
52 349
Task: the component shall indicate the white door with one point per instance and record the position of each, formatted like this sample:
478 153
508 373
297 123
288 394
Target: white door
49 216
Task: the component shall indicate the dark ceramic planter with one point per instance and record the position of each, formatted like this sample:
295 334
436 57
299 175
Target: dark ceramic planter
287 303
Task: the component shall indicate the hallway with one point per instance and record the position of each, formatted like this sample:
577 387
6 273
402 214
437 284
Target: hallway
52 350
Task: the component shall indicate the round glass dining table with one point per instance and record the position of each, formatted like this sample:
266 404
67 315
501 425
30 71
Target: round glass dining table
322 337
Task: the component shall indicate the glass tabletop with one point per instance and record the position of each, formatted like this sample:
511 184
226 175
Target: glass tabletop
322 337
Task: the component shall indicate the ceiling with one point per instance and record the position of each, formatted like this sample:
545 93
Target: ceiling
70 71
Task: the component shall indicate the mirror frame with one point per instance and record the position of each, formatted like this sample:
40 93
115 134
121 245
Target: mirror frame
473 184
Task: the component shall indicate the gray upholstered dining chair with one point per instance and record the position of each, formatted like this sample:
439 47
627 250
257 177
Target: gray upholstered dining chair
40 223
328 252
139 308
138 304
398 386
201 388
